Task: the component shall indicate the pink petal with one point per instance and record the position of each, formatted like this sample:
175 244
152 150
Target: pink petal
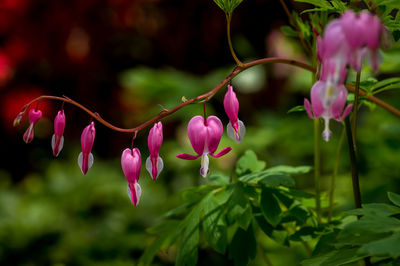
346 112
131 164
231 105
340 102
197 133
308 108
222 152
214 133
185 156
316 102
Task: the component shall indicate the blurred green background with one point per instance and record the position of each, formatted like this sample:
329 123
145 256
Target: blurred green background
127 60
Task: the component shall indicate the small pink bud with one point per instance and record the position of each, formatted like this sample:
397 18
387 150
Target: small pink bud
57 141
34 116
154 163
131 164
204 137
235 127
85 158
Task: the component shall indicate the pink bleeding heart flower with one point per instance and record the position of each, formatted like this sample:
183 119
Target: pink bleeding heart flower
85 158
327 101
235 128
204 135
57 141
131 164
34 116
154 163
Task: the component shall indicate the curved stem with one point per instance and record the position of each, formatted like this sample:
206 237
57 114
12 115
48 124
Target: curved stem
228 32
204 97
355 108
335 170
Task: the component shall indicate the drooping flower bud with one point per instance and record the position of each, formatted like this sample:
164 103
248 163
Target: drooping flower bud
57 141
373 32
235 128
154 163
204 135
131 165
34 116
85 158
327 101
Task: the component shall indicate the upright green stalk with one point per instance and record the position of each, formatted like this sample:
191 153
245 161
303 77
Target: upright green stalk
355 106
353 161
334 174
317 169
228 32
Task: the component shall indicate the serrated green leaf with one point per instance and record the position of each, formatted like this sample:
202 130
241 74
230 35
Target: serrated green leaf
334 258
268 178
249 163
270 206
214 226
376 209
389 246
394 198
243 246
187 254
219 179
239 208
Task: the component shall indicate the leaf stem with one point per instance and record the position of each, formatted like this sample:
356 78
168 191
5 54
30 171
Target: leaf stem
334 174
228 32
264 256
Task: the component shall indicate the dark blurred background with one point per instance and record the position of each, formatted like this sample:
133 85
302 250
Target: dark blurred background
126 60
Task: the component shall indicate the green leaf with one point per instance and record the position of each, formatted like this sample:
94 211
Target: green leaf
239 208
214 226
291 170
376 209
270 206
187 254
289 31
334 258
268 178
318 3
387 246
264 225
248 163
228 5
298 108
243 246
370 224
219 179
150 252
395 198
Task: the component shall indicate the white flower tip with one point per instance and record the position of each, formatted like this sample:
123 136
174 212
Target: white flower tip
204 170
159 167
236 136
135 195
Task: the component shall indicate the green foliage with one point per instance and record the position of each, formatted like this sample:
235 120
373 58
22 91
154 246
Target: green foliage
375 234
228 5
224 215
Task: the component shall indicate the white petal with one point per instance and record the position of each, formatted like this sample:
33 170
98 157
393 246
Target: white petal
327 133
236 136
138 192
160 165
204 165
91 159
80 158
53 141
149 166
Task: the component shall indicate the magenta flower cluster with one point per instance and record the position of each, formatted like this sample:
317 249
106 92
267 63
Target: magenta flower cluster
346 41
204 134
